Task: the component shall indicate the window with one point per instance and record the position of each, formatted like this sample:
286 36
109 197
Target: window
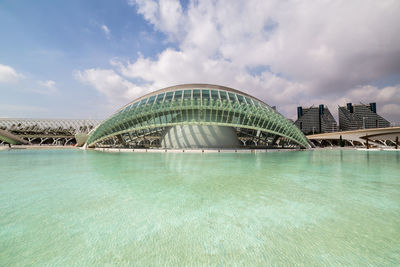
151 99
248 100
135 104
214 95
160 98
178 95
169 96
196 94
223 95
143 102
232 97
187 94
205 94
240 98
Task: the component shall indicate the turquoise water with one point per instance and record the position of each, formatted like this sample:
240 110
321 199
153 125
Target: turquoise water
72 207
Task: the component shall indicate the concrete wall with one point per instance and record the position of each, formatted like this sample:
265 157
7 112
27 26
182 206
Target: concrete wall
200 136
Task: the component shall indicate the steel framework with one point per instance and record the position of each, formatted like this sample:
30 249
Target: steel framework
40 131
196 104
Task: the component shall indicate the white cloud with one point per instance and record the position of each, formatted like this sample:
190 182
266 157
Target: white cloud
49 84
109 83
165 15
306 52
106 31
46 87
9 75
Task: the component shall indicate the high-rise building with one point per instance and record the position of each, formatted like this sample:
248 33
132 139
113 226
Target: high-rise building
315 120
353 117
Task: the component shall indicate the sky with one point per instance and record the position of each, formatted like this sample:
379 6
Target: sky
86 59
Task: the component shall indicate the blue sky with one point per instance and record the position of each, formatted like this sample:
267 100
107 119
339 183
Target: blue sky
48 40
85 59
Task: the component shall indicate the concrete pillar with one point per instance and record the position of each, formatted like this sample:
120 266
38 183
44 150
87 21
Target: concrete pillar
397 142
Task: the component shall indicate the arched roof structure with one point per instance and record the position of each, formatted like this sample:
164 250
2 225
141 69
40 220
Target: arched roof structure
196 104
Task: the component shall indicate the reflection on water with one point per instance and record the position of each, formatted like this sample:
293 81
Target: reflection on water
310 208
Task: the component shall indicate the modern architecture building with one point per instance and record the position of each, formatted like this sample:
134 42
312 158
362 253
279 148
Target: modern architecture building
196 116
315 120
45 131
376 137
353 117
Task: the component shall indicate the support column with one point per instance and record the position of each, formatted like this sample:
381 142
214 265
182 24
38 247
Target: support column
67 140
42 140
397 142
121 140
55 141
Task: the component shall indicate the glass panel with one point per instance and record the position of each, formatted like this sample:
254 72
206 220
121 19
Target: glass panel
205 94
187 94
232 97
178 95
151 99
248 100
196 94
143 102
214 95
135 104
160 97
257 104
169 96
223 95
240 98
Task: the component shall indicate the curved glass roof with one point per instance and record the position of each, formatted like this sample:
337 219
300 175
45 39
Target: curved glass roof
214 105
193 91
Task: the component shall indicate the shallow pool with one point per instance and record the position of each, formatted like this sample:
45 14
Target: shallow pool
73 207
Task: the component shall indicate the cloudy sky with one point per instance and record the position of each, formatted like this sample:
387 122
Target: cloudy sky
85 59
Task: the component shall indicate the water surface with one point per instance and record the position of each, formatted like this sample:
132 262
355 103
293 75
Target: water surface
72 207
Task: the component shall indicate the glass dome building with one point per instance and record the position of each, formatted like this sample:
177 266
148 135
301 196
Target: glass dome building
197 116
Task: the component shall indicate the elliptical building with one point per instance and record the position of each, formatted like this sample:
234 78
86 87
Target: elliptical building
354 117
196 116
315 120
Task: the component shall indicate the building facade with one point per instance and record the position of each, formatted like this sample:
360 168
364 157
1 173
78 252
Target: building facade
354 117
315 120
196 116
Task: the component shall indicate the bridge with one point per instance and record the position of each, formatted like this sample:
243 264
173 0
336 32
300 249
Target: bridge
379 137
44 131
